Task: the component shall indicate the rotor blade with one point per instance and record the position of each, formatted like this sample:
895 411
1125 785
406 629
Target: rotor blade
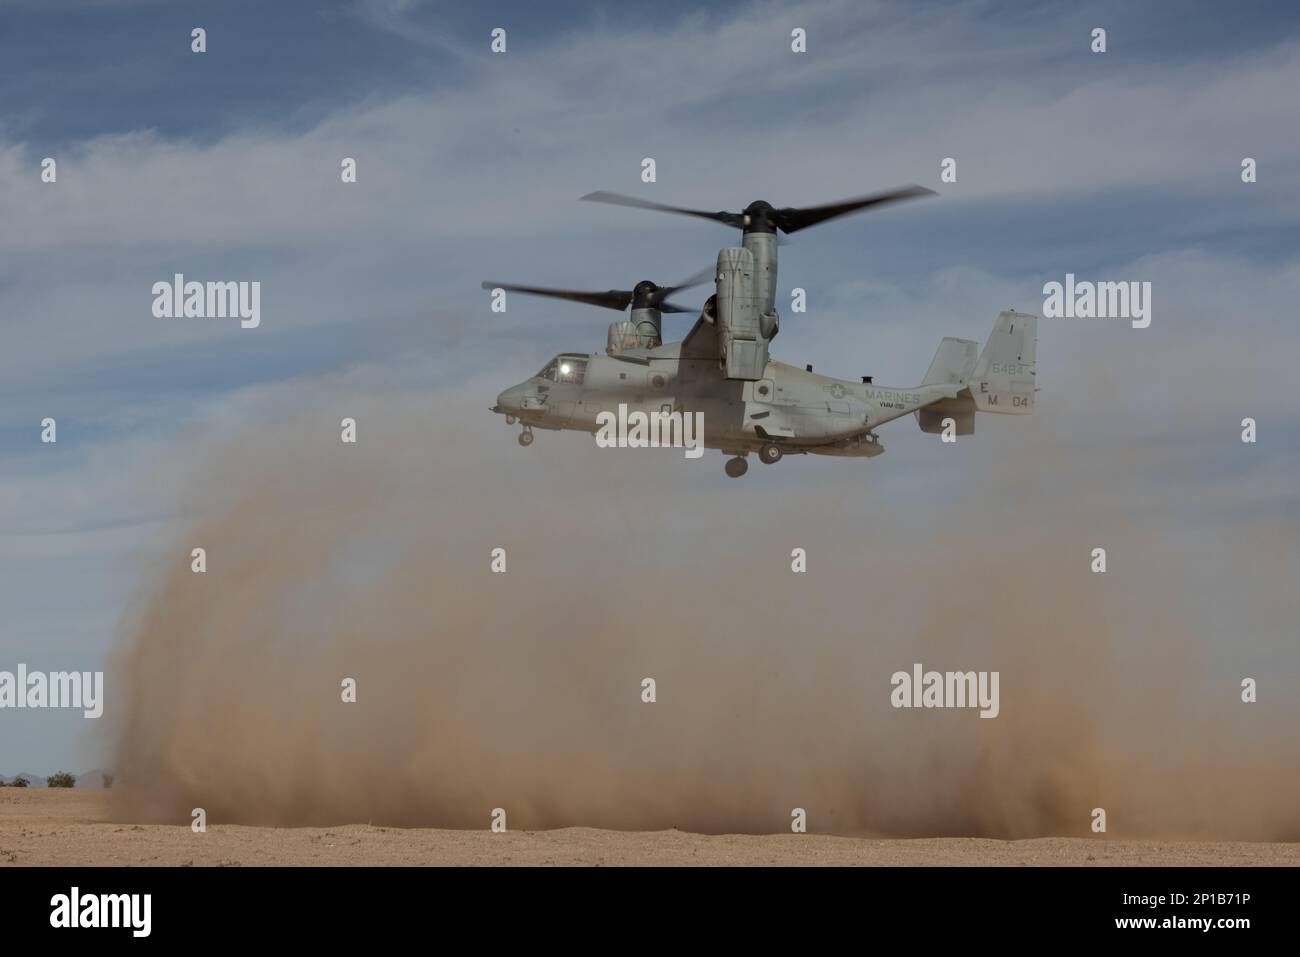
791 219
666 307
618 199
616 299
699 278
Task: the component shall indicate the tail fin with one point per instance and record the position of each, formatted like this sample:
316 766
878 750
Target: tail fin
1003 380
953 363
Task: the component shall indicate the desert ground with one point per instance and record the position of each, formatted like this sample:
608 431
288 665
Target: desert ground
56 827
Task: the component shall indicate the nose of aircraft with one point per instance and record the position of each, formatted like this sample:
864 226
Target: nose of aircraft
512 400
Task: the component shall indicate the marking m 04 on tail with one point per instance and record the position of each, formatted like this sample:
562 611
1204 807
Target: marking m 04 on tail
1004 376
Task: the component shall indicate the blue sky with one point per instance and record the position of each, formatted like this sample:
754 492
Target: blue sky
225 165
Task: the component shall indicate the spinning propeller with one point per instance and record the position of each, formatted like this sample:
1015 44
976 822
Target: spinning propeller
644 295
761 216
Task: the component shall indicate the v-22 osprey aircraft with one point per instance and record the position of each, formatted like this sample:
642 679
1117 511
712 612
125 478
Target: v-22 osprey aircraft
750 401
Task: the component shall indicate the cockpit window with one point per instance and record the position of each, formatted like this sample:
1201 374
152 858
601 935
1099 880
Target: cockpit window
573 369
565 369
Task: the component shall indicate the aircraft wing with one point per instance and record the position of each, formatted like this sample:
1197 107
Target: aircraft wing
701 342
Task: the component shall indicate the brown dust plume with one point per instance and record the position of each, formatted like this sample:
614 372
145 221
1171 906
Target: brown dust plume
523 690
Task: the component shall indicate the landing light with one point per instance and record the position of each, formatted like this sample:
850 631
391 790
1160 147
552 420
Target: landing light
566 369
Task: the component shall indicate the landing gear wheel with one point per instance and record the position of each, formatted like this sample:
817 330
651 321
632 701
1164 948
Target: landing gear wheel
511 420
526 437
769 454
736 467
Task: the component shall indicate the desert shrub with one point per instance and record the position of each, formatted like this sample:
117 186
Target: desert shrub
61 779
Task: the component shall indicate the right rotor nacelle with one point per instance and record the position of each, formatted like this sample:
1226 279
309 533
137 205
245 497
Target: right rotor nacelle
742 336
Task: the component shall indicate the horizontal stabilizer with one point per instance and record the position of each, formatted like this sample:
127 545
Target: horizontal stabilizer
963 419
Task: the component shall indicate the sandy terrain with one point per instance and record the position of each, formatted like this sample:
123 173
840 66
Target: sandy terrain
58 827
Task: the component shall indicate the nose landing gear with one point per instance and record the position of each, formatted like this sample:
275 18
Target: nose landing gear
736 467
769 454
526 437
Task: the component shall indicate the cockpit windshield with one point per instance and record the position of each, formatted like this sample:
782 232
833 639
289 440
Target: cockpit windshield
565 369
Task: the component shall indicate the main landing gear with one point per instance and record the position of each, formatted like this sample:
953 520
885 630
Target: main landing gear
768 454
526 437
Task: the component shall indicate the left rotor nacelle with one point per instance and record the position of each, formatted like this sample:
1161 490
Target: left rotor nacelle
643 330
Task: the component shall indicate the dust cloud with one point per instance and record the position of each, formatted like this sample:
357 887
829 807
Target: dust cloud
522 690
